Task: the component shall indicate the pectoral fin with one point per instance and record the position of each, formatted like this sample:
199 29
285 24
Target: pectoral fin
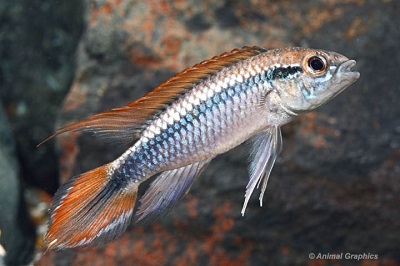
167 189
266 147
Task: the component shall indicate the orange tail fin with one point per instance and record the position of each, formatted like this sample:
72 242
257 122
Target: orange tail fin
89 208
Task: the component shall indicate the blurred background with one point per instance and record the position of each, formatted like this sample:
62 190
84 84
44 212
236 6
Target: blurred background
334 189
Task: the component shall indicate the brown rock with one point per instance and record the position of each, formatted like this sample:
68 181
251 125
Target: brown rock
335 186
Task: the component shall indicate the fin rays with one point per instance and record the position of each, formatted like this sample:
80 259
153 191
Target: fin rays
166 191
88 209
266 147
125 124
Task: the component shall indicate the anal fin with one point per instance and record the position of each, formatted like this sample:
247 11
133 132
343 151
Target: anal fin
166 191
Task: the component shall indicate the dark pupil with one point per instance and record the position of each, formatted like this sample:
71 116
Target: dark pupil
316 63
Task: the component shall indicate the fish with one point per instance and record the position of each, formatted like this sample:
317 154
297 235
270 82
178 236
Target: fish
175 131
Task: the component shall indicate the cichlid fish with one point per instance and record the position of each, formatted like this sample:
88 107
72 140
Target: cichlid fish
179 127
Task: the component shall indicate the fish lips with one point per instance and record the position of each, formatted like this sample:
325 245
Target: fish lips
344 76
345 72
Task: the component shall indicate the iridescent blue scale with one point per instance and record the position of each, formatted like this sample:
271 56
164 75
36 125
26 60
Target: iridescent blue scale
230 91
238 87
202 107
179 127
209 103
216 98
195 113
223 95
183 122
183 137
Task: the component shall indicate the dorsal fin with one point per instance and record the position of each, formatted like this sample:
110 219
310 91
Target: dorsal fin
125 124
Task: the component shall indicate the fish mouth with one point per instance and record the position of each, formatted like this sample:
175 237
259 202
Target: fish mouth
345 71
344 76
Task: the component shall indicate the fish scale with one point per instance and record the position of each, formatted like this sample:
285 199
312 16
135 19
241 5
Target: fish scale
179 127
204 132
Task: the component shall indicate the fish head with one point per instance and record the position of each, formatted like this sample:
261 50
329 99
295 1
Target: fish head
312 78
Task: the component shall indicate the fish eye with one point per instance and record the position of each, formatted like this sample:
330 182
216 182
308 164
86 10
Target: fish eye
316 64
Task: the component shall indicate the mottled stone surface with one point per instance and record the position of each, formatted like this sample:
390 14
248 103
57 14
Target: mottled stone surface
38 41
37 46
335 187
17 235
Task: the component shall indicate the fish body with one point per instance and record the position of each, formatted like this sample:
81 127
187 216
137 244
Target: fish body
179 127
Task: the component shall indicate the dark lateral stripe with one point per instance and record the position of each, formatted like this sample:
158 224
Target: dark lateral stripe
147 156
284 72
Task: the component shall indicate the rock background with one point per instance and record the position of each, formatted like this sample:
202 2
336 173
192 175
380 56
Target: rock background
38 41
17 234
335 187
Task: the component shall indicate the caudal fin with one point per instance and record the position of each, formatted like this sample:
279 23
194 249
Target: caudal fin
89 208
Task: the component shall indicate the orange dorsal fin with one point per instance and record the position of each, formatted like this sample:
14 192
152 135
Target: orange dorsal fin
185 80
125 124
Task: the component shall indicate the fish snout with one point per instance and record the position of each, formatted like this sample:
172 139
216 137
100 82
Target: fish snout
345 70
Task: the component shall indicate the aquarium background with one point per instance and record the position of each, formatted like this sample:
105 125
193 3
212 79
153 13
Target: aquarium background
335 189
